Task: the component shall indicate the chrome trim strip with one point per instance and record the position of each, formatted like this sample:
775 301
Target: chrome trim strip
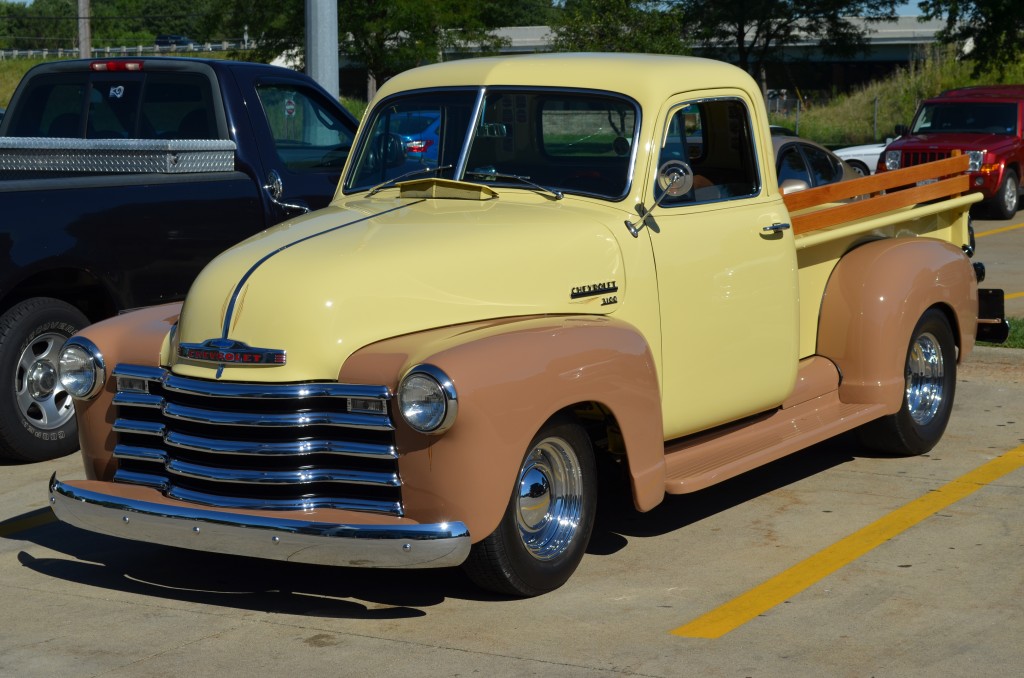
136 478
268 391
132 399
351 545
139 372
136 453
147 428
266 420
282 449
467 142
295 478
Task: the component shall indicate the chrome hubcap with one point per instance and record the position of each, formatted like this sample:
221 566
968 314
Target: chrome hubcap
549 503
924 379
41 398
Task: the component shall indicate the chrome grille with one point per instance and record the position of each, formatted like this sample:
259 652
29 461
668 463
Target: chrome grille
911 158
255 445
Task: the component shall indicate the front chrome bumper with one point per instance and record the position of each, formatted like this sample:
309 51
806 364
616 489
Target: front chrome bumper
392 546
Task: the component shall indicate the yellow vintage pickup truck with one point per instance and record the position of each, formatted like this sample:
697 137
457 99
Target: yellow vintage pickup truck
536 271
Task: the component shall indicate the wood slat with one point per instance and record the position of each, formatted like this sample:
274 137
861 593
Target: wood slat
830 216
876 183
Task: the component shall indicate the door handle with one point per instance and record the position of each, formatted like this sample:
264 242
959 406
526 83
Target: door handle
776 228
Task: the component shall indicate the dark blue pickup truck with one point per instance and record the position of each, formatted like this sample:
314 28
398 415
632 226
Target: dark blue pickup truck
119 180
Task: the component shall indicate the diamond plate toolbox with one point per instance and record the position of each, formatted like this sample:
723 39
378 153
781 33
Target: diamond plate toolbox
115 156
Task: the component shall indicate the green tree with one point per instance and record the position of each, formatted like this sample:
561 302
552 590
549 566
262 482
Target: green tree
618 26
991 32
755 32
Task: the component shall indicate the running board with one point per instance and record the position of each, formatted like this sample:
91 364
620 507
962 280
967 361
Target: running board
700 461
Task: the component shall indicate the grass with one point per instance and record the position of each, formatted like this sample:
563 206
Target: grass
1016 338
850 119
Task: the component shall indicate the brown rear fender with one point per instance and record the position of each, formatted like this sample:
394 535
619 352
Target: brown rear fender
511 376
872 302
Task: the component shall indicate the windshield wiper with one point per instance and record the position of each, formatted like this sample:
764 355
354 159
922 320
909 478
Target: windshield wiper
518 177
395 180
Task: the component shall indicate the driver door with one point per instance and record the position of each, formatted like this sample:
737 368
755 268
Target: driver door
727 287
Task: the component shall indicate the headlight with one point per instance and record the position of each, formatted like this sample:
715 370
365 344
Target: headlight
892 160
427 400
977 158
82 370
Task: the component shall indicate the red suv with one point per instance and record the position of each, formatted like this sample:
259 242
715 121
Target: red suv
985 123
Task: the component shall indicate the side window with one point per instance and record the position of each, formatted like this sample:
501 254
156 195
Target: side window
711 139
823 169
793 167
307 135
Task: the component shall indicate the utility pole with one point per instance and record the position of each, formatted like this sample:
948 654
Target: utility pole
84 30
322 43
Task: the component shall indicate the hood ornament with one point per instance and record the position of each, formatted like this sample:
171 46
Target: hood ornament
231 352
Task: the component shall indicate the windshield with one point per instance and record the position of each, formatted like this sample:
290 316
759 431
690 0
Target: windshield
970 117
577 142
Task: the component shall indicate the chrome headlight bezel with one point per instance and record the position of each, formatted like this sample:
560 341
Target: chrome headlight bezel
427 400
892 160
977 160
81 368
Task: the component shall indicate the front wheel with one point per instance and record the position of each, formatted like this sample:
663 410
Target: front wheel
930 384
547 524
1006 201
37 416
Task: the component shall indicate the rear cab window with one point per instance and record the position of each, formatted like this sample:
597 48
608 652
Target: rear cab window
116 105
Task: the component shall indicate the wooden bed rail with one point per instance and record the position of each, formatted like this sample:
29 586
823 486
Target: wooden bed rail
918 184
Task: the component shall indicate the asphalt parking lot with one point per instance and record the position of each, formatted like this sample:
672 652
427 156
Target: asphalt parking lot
830 562
1000 246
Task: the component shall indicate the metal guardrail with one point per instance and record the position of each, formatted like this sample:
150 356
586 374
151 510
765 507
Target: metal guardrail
134 50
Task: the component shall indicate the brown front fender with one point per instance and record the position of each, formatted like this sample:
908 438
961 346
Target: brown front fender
511 376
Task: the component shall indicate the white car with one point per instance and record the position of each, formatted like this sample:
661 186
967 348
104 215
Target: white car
864 158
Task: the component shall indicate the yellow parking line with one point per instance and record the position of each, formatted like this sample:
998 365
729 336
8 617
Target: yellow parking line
994 231
784 586
26 522
1014 295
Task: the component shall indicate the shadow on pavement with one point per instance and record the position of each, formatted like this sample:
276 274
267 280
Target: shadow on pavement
311 590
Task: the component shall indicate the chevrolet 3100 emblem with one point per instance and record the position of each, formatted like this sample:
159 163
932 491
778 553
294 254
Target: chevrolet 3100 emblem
228 351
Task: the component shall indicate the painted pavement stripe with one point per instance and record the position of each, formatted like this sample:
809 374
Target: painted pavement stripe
995 231
784 586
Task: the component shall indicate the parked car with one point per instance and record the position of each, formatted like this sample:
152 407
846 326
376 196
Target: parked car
2 111
419 133
864 159
982 122
801 163
172 161
173 41
780 131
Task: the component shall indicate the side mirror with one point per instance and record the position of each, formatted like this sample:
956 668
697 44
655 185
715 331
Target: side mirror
393 151
901 130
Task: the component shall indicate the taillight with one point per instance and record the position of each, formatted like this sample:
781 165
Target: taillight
418 145
116 66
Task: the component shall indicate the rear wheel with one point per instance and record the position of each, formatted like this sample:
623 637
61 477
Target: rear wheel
547 524
37 416
930 384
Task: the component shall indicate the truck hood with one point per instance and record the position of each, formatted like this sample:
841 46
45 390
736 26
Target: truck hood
312 291
948 142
